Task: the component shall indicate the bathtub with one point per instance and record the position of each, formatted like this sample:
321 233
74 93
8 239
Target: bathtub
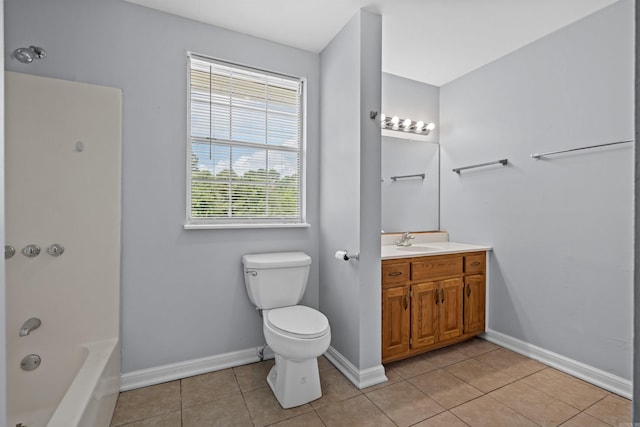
70 388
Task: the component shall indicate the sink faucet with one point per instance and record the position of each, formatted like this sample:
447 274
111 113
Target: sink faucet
29 326
405 239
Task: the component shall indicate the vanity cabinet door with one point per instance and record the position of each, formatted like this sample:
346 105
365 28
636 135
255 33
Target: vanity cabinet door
474 303
450 318
424 314
395 321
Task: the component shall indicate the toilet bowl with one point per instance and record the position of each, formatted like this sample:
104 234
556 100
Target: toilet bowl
297 334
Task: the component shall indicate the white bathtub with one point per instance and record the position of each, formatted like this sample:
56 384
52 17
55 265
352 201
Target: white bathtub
70 388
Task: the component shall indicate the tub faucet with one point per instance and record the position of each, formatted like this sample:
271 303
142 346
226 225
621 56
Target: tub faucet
405 239
29 326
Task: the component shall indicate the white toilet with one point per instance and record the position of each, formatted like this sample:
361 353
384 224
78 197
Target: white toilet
297 334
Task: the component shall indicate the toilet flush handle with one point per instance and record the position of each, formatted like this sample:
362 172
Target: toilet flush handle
252 272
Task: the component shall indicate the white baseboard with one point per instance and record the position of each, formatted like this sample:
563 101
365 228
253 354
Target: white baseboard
176 371
360 378
590 374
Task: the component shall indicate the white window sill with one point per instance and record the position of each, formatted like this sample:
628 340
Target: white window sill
240 226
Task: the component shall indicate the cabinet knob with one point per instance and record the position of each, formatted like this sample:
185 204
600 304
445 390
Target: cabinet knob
468 290
406 301
442 297
395 273
437 299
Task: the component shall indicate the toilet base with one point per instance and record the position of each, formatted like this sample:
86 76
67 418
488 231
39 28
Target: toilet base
295 383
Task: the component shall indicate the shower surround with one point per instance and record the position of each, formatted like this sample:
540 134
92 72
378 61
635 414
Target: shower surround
63 149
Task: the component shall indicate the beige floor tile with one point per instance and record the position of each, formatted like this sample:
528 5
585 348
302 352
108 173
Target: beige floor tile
475 347
445 419
566 388
446 389
355 412
335 387
265 409
254 375
584 420
173 419
207 387
147 402
228 411
310 419
510 363
487 412
614 410
411 367
404 403
445 357
324 364
534 404
479 375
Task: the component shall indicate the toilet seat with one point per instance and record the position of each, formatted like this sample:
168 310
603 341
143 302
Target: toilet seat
298 321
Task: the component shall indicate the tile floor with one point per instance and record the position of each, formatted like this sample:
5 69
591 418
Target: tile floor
475 383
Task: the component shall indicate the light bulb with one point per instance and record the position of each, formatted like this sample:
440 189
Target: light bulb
383 121
419 126
406 123
395 120
431 126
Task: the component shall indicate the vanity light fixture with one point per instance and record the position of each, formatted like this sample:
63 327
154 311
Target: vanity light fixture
405 125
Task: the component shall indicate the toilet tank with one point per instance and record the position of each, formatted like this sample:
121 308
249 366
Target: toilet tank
276 279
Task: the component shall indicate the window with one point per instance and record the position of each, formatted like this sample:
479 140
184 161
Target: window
245 146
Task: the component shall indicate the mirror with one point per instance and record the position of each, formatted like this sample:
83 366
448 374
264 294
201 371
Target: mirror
410 203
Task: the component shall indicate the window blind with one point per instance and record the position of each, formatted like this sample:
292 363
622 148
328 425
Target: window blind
245 145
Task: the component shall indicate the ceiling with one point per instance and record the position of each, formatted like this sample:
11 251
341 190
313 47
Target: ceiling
432 41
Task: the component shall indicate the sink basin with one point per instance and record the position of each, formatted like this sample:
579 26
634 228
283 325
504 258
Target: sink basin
416 248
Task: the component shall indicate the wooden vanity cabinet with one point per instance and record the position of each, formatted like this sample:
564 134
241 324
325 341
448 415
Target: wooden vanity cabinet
431 302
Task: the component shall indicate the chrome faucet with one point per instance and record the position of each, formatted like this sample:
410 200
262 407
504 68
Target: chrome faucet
405 239
29 326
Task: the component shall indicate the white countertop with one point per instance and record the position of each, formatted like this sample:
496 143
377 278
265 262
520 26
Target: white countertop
428 249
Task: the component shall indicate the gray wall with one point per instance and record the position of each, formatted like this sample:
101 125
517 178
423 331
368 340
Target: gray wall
349 190
561 229
411 204
183 294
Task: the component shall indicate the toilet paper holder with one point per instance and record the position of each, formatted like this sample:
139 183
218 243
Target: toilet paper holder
345 255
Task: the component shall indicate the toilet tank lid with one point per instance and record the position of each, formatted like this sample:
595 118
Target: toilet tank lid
276 260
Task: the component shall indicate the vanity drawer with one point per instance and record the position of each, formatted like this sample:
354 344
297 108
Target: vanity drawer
474 263
431 267
395 272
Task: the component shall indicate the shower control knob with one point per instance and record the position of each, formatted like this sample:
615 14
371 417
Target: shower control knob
31 251
30 362
9 251
55 249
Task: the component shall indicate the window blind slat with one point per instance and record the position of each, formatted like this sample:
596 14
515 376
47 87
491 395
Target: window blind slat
245 145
